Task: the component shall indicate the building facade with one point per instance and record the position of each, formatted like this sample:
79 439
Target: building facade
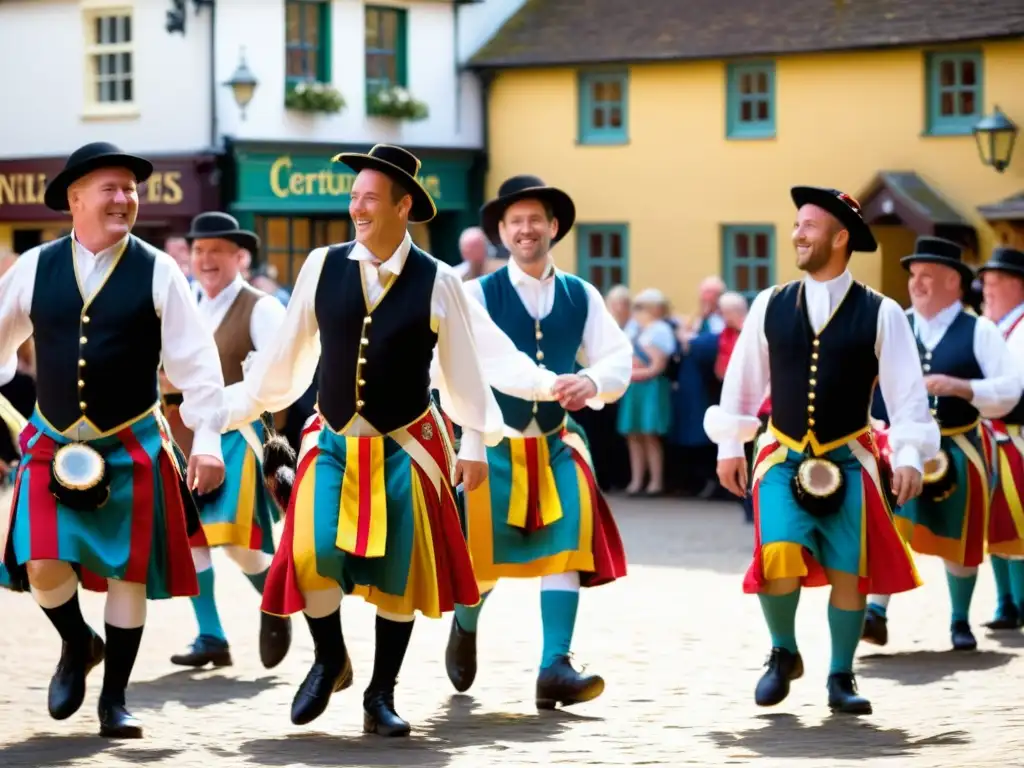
679 129
331 76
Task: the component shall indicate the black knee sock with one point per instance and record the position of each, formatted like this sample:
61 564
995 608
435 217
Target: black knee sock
392 643
67 619
122 648
328 641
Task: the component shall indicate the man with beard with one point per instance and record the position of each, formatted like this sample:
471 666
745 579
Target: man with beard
540 512
373 510
239 517
1003 288
970 374
821 516
99 497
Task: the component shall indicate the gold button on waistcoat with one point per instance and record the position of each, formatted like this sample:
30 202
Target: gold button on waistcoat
82 340
811 395
367 320
814 369
359 404
810 408
81 363
81 406
927 355
540 355
85 318
362 361
539 335
364 341
81 383
362 382
813 382
810 422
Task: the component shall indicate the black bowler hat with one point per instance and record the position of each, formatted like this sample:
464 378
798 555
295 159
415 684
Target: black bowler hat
92 157
527 187
222 226
1005 260
399 165
936 250
844 208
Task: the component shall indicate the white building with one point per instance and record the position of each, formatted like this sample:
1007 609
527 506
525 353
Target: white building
116 73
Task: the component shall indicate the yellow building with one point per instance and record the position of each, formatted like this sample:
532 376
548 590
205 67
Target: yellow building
678 128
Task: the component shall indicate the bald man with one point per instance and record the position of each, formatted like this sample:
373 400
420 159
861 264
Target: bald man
475 248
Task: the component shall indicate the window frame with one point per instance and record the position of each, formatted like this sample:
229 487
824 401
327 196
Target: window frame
400 52
958 125
736 127
729 258
585 262
587 133
93 108
323 48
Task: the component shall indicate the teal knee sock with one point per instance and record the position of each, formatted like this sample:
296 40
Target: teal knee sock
846 628
1001 570
961 589
1016 579
205 606
780 616
258 580
468 616
558 615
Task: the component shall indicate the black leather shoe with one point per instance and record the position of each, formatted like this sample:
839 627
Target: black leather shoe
561 684
205 649
116 722
773 687
843 696
379 714
315 692
1007 616
460 657
962 637
67 686
876 628
275 639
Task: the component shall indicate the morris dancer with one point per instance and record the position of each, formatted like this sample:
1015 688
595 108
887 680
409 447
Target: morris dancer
373 510
99 495
540 512
821 516
239 516
1003 286
968 370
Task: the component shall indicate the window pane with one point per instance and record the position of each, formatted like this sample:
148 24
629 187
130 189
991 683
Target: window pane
372 29
597 277
300 235
597 117
742 247
762 82
337 231
380 66
947 73
761 246
615 245
968 76
746 86
98 31
599 91
615 117
741 279
762 110
947 105
292 16
966 102
126 64
295 63
746 112
311 26
596 250
762 278
126 29
389 30
614 90
615 275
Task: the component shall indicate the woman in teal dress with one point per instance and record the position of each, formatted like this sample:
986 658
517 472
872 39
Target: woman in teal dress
645 411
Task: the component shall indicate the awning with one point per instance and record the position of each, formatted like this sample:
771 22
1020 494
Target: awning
1010 209
904 198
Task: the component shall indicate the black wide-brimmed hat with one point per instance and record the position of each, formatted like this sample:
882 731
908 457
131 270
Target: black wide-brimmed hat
87 159
222 226
527 188
1005 260
844 208
936 250
399 165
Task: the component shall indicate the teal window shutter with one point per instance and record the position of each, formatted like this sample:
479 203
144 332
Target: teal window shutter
602 254
954 92
748 258
750 100
603 107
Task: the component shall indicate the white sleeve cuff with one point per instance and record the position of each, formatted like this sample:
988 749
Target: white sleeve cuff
206 442
471 446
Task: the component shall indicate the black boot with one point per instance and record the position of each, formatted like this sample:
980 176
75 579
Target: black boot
460 657
275 639
783 667
1007 616
559 683
205 649
116 722
876 628
80 652
379 715
962 636
331 671
843 696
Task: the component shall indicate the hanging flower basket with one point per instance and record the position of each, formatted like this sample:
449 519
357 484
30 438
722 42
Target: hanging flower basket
396 102
314 97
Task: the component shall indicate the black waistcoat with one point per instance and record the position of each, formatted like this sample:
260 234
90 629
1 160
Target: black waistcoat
376 364
953 356
822 384
97 361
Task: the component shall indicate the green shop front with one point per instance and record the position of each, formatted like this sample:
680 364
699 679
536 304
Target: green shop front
296 199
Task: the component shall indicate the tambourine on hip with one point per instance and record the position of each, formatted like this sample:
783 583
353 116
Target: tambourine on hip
79 477
938 477
819 486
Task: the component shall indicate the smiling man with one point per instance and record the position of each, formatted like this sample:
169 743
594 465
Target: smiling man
100 496
239 517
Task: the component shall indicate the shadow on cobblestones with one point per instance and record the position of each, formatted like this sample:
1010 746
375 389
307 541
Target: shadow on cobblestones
461 724
342 750
51 750
924 667
838 737
196 689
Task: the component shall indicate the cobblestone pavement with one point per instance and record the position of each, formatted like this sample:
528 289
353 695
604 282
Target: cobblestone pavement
678 643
